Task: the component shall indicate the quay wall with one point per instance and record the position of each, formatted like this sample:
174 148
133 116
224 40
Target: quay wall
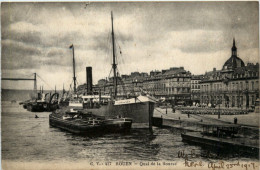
246 131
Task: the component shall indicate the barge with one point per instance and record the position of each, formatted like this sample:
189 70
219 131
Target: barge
80 122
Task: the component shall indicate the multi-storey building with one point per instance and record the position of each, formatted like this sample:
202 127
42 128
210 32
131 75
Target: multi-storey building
195 88
236 85
127 85
172 84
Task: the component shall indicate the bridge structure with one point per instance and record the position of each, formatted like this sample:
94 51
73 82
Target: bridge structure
24 79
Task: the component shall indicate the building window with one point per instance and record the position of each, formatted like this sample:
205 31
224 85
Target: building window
252 85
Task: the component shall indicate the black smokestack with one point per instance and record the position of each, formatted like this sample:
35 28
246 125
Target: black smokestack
89 79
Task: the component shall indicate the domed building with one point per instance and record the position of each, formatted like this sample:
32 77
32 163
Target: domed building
233 62
236 85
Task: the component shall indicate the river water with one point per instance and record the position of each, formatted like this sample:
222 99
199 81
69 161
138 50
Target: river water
25 138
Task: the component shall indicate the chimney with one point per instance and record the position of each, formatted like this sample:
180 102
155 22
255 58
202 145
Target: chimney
214 69
89 79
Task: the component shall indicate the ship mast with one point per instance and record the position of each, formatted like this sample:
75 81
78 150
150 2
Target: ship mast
63 90
114 58
74 76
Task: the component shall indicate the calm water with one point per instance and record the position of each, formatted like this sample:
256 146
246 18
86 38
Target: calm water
25 138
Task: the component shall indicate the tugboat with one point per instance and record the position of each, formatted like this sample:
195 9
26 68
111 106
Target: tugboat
36 105
41 104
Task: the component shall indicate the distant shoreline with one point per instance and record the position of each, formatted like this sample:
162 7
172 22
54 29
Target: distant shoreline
19 95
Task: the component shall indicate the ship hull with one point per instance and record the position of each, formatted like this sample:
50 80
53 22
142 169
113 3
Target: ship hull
118 125
140 113
74 127
80 127
35 107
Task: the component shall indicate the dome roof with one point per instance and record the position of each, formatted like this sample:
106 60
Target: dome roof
233 62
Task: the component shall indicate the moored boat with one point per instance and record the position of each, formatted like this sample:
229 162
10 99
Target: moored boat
75 122
115 115
80 122
42 104
140 108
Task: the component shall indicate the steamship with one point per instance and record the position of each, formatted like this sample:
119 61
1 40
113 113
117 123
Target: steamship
105 113
140 109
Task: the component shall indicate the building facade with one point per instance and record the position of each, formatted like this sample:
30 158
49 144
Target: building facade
235 85
195 88
172 84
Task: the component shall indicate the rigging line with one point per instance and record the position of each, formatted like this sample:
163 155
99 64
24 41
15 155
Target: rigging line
119 59
77 83
110 72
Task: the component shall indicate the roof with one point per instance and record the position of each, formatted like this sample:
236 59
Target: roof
233 62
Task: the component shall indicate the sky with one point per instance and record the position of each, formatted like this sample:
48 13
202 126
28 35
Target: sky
149 36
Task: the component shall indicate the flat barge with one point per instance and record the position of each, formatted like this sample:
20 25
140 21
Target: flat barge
74 125
79 122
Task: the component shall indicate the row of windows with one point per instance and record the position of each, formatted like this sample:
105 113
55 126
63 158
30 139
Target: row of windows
169 80
195 86
246 74
232 99
170 89
243 85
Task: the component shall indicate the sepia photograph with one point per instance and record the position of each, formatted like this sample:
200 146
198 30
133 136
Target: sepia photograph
130 85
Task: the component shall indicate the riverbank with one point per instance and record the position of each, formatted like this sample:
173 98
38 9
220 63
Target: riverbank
251 119
194 123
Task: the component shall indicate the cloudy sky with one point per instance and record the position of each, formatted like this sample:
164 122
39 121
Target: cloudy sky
196 35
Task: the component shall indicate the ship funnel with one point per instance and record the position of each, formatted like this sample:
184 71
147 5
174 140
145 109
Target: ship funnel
89 79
